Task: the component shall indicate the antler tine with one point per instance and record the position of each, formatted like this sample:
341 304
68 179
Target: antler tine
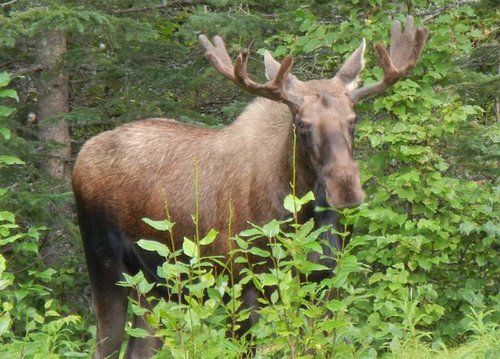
217 55
274 89
401 58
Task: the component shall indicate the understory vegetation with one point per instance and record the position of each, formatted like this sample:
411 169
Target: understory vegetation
418 277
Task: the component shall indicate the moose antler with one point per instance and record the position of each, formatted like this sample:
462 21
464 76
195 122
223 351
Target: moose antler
274 89
402 57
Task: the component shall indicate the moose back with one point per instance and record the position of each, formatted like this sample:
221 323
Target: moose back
139 169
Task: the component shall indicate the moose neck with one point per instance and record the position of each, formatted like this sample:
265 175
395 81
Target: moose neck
265 129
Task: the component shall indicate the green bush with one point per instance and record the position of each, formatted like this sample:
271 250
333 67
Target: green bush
31 323
358 313
419 277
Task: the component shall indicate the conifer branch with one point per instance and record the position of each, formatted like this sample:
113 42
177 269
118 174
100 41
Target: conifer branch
150 8
8 3
429 15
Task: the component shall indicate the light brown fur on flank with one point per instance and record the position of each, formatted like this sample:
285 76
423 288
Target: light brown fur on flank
135 169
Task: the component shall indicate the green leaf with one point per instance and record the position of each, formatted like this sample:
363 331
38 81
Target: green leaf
76 355
309 267
256 251
467 227
5 322
209 238
274 297
4 79
144 287
162 225
10 160
189 248
336 305
329 324
11 239
375 140
294 204
9 93
154 246
268 279
271 229
48 304
291 204
308 197
6 111
5 132
251 232
137 332
470 110
4 283
7 216
52 313
406 193
424 263
46 274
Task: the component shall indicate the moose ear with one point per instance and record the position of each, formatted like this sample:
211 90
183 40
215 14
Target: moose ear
272 66
349 73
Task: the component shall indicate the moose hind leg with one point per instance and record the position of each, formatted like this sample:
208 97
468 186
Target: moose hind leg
109 302
250 297
110 308
104 248
140 348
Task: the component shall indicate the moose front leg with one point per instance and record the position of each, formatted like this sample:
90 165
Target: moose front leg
250 297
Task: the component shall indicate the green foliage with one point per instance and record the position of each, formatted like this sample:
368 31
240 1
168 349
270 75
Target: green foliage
298 318
428 223
419 277
31 323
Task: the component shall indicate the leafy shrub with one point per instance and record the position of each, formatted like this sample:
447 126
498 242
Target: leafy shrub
343 316
419 278
31 325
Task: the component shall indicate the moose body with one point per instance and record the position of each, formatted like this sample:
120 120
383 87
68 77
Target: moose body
144 168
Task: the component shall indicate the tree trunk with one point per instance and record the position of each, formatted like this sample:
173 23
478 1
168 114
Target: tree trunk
53 90
54 136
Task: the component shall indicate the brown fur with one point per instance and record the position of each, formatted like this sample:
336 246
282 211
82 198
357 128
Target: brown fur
146 164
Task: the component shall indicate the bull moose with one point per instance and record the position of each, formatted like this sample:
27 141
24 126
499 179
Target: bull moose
129 173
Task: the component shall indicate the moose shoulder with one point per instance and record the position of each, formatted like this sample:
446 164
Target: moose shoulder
141 168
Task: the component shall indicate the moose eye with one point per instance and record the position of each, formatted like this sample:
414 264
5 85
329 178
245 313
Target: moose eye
301 125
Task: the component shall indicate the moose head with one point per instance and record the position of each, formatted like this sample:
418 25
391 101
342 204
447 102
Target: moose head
323 110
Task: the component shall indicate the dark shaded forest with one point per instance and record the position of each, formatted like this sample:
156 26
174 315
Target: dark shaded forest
420 275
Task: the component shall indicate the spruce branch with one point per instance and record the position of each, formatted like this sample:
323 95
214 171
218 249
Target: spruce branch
8 3
173 4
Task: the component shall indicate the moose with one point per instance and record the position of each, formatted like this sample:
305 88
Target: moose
133 171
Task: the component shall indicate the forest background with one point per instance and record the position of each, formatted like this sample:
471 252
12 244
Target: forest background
421 276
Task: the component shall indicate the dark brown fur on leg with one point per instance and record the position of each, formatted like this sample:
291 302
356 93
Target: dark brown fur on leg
139 348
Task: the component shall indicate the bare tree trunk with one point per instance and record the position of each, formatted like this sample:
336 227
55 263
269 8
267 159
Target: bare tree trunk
54 135
53 90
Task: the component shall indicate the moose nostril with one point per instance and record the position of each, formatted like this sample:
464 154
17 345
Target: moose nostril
347 203
344 194
353 204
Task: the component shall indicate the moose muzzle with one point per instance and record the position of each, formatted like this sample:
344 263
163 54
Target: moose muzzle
343 186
